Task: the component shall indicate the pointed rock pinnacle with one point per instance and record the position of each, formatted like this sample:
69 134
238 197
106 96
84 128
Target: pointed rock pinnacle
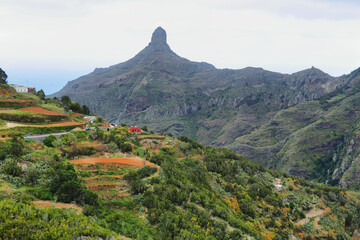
158 36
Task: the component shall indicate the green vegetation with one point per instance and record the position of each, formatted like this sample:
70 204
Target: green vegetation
73 106
314 139
34 130
41 94
23 221
28 117
198 192
148 186
50 140
293 123
3 77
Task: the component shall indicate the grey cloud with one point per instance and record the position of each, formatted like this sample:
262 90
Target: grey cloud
306 9
56 8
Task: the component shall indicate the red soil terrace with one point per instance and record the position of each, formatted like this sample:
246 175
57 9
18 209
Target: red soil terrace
121 161
41 111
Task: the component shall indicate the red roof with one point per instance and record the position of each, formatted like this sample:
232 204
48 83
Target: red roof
134 129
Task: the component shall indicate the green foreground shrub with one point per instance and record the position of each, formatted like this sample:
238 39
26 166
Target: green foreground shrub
22 221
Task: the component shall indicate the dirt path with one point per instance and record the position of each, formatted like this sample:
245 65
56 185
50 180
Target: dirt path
56 124
49 204
312 213
10 125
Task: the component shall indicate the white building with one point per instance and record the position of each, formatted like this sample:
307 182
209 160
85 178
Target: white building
90 118
277 184
19 88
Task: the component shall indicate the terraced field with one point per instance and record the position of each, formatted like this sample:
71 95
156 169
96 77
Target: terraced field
16 103
105 175
39 110
50 204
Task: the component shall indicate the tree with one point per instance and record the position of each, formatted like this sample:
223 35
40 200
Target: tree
41 94
3 77
66 102
125 147
68 139
85 110
49 140
11 168
99 119
16 146
75 107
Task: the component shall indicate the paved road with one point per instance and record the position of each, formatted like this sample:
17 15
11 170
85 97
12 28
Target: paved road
41 137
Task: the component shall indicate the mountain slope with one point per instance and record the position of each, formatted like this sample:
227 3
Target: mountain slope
159 187
315 139
165 91
220 107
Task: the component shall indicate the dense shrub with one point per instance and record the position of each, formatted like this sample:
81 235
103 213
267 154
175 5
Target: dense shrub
16 146
66 186
11 167
125 147
168 150
193 143
134 178
137 186
81 135
68 139
332 196
159 158
112 147
22 221
143 172
49 140
3 150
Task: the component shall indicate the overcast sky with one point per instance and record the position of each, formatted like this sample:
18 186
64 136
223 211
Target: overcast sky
45 43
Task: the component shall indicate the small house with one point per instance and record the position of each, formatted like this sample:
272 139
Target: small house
134 129
31 90
19 88
277 184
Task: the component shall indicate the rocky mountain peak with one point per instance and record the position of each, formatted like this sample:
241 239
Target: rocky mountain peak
158 36
158 41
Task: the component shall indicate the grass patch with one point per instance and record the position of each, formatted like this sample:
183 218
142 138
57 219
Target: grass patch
52 107
3 123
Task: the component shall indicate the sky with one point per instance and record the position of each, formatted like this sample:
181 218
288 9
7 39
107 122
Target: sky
46 43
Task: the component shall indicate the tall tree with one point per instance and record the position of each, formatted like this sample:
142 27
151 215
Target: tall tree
41 94
66 102
85 110
75 107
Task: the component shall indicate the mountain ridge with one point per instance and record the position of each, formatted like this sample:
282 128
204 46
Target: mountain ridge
166 92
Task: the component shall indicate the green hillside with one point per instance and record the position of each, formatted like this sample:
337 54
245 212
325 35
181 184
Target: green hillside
315 139
32 113
146 186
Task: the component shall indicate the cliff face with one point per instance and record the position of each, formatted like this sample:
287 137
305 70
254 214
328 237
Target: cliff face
316 139
221 107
